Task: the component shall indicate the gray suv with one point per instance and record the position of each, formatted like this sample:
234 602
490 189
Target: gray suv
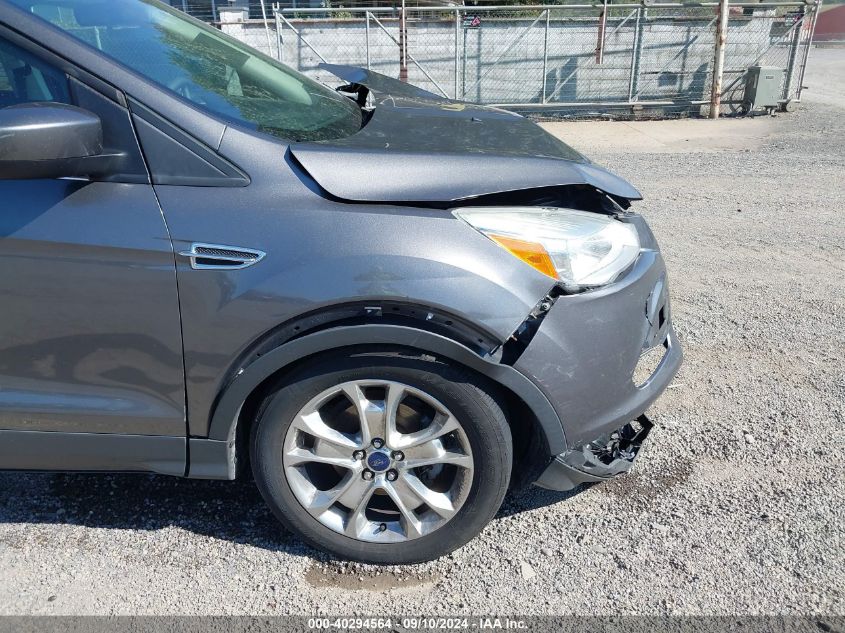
388 306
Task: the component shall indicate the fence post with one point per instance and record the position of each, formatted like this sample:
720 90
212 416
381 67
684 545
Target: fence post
635 57
793 55
602 30
719 60
280 45
367 36
464 66
403 46
457 40
545 53
816 9
266 28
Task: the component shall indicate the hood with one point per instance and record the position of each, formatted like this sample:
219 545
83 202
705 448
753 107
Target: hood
419 147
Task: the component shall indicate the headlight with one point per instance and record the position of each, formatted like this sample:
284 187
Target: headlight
576 247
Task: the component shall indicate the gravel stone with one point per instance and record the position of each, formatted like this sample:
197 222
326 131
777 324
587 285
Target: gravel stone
527 571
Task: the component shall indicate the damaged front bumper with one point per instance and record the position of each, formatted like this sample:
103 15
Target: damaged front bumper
602 358
602 459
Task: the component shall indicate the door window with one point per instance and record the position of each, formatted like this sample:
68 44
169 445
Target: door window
24 78
205 66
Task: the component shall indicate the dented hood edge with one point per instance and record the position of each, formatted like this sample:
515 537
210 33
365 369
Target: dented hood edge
417 147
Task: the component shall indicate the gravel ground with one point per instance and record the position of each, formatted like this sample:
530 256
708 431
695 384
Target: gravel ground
736 507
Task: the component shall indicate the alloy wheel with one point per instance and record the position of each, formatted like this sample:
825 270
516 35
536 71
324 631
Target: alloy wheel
378 461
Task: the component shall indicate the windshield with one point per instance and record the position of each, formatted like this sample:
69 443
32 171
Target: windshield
198 62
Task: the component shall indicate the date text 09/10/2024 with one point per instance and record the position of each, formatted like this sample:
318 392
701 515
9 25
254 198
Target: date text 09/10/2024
420 623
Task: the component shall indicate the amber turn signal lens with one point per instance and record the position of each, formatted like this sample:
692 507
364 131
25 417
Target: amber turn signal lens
531 253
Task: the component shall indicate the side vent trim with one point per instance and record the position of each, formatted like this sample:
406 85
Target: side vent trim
221 257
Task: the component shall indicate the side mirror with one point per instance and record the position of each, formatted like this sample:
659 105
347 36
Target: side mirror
50 140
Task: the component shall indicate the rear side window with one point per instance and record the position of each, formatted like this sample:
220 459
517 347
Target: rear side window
25 78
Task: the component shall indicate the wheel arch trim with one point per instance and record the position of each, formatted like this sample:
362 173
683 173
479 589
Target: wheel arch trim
226 413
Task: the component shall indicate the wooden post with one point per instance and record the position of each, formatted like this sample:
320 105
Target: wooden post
719 60
403 46
602 30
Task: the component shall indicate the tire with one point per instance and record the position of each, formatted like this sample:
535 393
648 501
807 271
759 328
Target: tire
461 493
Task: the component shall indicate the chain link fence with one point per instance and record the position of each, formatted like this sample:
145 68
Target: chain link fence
208 10
581 60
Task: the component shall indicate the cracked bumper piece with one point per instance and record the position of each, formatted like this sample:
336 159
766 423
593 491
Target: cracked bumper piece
602 459
602 358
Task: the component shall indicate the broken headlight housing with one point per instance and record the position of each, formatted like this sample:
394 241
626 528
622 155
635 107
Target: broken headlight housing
576 247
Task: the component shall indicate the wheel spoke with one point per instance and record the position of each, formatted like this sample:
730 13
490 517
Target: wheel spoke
441 425
320 454
413 492
377 417
352 496
330 450
322 500
411 523
356 397
313 424
370 413
357 499
394 394
441 456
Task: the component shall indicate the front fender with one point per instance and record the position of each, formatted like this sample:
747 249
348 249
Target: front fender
216 456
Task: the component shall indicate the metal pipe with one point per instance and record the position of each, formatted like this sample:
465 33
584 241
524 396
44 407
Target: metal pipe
624 21
635 60
214 10
793 56
546 53
457 46
595 104
302 39
678 54
266 29
543 7
367 36
719 59
816 9
280 49
506 51
464 66
575 71
411 57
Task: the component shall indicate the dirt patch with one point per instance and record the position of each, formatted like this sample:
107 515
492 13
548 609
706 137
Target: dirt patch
365 578
645 488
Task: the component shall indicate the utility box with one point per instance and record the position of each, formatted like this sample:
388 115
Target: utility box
763 88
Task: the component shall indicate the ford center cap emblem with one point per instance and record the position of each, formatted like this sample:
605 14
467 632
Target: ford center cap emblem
378 461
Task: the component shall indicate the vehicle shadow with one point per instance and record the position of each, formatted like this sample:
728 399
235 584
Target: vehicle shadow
232 511
533 498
